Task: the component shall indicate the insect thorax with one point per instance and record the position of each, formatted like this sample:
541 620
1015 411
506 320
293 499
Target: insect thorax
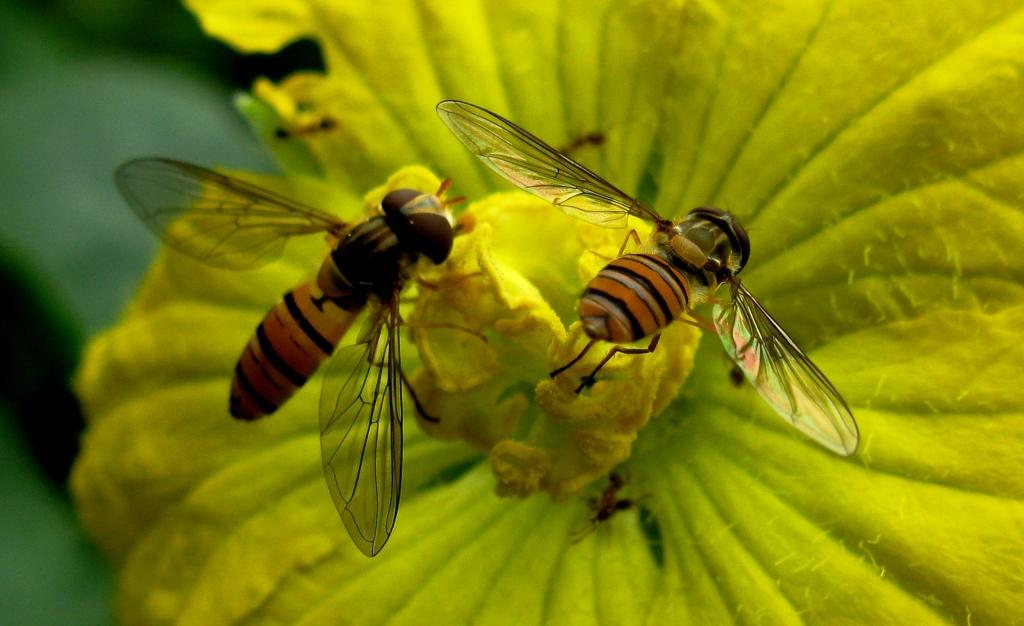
375 257
709 241
367 260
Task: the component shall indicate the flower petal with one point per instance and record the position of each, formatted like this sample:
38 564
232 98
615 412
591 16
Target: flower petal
261 26
929 501
559 70
878 169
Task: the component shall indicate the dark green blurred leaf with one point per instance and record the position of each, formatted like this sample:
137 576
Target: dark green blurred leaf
50 573
164 29
74 107
66 121
39 353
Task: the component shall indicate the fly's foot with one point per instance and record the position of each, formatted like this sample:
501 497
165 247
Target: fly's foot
585 383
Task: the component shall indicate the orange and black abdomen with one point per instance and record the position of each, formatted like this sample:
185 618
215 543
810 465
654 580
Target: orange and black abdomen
287 348
632 297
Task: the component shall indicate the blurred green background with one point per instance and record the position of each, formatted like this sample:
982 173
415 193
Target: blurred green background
87 84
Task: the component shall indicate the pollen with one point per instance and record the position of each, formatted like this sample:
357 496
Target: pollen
497 394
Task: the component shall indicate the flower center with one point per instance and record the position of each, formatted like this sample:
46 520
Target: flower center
499 316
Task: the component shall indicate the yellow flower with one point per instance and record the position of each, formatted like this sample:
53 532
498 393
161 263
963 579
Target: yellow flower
874 152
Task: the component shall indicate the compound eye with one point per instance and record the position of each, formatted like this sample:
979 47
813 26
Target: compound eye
395 200
702 237
744 242
431 235
722 251
737 234
708 211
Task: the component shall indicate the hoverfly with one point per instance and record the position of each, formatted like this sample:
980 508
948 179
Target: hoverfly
604 507
637 295
229 223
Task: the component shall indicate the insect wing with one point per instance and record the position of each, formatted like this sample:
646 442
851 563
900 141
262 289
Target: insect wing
361 430
783 375
218 219
534 166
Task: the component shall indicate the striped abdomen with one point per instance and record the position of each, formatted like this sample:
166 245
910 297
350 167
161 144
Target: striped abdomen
634 296
289 345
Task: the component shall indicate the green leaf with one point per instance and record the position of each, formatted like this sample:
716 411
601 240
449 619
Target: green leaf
70 120
51 575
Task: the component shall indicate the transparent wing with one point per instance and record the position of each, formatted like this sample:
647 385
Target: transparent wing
540 169
782 373
361 430
218 219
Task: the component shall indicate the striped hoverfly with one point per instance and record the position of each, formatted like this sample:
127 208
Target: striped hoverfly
686 260
229 223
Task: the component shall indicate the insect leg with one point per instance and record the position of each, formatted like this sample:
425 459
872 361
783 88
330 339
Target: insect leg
589 379
416 400
579 534
632 234
575 359
698 320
